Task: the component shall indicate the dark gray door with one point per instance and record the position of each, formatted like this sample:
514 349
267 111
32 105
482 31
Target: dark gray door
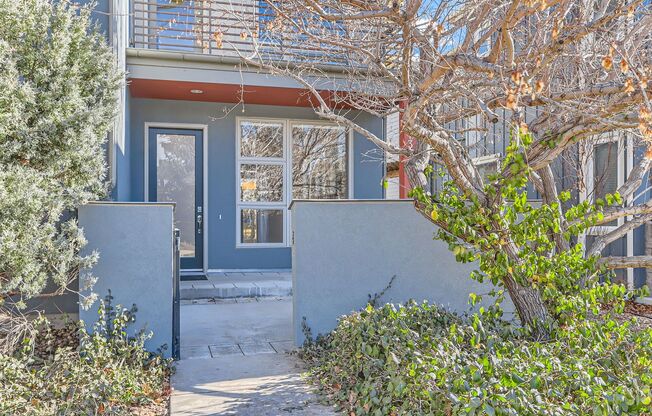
176 175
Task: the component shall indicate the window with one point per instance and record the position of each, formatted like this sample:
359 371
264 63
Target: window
605 172
279 160
608 159
261 226
261 183
605 169
319 163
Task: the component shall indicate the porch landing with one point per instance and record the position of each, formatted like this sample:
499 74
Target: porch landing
238 284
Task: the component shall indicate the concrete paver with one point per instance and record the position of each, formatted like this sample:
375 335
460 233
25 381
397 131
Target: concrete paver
234 361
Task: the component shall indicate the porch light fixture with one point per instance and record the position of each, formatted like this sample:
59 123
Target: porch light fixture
196 91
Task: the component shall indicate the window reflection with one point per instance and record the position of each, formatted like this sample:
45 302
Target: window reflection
261 139
261 225
175 182
319 162
261 183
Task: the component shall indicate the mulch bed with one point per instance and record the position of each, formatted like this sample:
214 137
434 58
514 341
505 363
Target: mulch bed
160 408
67 335
642 313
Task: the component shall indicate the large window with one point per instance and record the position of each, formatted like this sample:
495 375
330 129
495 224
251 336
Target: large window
281 160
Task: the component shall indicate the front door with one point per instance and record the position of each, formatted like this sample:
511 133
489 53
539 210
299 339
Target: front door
176 175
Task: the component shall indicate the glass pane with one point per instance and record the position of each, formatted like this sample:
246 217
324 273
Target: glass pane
176 28
261 226
175 182
605 169
261 139
261 183
319 162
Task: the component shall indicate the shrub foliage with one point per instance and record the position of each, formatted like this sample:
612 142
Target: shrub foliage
420 359
58 90
110 373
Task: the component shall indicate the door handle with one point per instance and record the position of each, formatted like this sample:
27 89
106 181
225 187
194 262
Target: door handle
200 219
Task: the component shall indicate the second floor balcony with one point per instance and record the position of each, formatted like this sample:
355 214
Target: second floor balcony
227 29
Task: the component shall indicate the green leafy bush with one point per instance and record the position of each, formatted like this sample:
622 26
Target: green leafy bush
110 373
420 359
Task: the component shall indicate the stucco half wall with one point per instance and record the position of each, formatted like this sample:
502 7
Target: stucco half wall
136 263
344 251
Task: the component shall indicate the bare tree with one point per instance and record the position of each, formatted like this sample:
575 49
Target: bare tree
566 72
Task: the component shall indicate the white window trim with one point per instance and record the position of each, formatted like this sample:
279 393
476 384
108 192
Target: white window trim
286 161
204 129
487 159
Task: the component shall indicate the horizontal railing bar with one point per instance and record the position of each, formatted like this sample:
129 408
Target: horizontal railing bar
187 10
293 51
263 43
156 30
232 5
228 14
267 49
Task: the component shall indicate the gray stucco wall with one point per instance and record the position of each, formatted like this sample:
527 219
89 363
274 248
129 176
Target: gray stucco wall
135 246
345 251
221 251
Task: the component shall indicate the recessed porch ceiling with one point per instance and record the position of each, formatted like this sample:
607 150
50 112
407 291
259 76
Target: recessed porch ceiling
222 93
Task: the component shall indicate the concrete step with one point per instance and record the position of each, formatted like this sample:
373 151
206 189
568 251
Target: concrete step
239 286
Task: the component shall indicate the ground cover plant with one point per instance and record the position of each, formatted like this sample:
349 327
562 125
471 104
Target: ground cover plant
419 359
106 372
583 358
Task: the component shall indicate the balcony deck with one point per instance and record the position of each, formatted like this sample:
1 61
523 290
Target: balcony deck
226 29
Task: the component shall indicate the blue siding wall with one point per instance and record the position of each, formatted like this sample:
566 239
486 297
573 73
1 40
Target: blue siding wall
221 250
123 182
100 13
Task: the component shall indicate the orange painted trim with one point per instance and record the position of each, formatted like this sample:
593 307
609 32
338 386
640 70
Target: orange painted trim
225 93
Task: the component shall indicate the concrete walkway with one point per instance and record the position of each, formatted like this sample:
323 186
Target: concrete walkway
234 361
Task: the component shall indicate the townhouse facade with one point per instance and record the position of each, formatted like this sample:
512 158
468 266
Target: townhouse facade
233 146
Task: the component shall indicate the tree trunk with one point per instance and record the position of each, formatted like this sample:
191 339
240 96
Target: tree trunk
530 307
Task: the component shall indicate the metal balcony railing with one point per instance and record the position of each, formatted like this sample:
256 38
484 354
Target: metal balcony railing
225 28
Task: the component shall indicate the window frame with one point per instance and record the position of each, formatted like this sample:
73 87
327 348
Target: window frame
621 142
286 161
488 160
625 164
257 160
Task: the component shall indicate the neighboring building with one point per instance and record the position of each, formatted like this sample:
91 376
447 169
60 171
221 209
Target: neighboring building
589 171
